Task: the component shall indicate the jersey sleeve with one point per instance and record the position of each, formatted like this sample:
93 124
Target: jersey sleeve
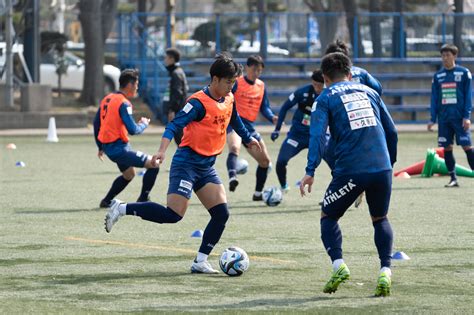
434 99
391 135
133 128
317 130
265 107
239 126
97 129
468 96
373 83
192 111
291 101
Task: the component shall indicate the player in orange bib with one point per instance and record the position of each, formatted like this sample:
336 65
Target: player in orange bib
205 118
250 98
112 125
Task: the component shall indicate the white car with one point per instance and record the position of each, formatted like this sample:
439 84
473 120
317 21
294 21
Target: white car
73 79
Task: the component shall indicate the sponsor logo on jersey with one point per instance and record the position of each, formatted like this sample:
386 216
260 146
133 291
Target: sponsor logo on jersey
292 142
187 108
129 110
291 97
359 110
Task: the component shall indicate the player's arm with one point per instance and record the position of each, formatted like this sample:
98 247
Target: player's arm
467 101
434 102
241 130
317 130
96 124
133 128
373 83
266 110
289 103
391 135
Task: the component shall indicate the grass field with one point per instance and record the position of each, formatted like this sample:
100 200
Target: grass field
55 256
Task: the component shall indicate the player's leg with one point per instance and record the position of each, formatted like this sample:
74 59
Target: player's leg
119 184
289 148
378 200
148 182
463 138
340 194
263 159
234 143
181 182
445 139
212 195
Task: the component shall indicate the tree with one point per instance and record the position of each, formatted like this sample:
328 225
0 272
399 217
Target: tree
458 21
97 18
327 24
350 6
375 32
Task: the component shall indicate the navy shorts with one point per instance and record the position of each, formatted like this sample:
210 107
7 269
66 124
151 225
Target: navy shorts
249 127
291 147
448 129
128 158
344 190
185 177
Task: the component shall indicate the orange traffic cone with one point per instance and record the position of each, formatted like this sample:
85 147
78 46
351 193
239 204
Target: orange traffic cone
417 168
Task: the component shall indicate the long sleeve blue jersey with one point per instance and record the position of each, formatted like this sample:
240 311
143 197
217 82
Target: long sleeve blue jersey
361 75
303 97
133 128
363 130
265 108
451 98
195 112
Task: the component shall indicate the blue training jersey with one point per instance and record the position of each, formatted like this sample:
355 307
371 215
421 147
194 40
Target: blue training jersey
451 94
361 75
361 127
304 98
194 111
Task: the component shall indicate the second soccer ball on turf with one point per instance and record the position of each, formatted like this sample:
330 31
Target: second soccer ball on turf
272 196
242 166
234 261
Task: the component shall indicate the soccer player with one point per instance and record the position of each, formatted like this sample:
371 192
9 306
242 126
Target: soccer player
175 96
359 75
451 103
250 98
297 138
366 148
112 124
205 118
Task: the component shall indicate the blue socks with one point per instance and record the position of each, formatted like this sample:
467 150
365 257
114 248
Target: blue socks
383 237
215 228
148 181
153 212
450 163
232 164
470 157
118 185
261 178
281 173
332 237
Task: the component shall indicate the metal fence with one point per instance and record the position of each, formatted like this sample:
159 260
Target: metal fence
305 35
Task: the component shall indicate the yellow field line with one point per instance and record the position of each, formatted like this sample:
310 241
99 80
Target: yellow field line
168 248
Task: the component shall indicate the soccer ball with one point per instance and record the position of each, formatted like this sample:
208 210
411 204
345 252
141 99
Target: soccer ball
242 166
272 196
234 261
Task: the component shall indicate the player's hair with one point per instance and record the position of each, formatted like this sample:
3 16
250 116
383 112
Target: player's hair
337 46
225 67
317 76
128 76
174 53
255 60
449 47
336 65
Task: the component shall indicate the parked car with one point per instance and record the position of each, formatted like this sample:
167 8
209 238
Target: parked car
72 80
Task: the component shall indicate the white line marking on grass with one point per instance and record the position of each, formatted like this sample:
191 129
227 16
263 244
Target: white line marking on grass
168 248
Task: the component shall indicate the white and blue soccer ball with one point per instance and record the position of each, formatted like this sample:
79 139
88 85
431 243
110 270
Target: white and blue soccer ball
234 261
272 196
242 166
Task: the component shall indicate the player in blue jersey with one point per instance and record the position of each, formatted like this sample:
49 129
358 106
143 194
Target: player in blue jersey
451 103
250 99
359 75
205 118
112 124
297 138
366 148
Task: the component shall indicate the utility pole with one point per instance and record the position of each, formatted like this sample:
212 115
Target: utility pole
31 44
9 55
